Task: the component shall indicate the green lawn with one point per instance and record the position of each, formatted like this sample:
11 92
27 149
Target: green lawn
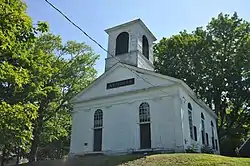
188 160
152 160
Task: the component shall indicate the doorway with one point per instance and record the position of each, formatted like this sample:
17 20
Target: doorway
97 140
145 136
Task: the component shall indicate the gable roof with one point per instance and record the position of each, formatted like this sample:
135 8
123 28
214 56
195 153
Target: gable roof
144 71
130 23
182 83
95 82
131 68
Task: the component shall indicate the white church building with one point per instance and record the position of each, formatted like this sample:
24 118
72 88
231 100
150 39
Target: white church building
131 108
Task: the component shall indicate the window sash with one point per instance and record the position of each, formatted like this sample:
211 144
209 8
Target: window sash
190 119
144 113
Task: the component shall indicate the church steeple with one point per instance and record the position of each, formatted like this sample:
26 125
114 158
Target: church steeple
132 44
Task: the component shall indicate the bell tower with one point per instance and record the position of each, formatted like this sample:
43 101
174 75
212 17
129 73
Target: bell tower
131 43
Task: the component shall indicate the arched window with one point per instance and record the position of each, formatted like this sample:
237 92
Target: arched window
145 47
145 129
144 113
189 106
203 128
122 42
202 116
190 120
212 124
98 118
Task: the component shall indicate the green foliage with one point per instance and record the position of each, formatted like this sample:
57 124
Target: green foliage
42 27
16 25
54 150
207 149
39 75
192 149
69 70
215 62
15 127
17 37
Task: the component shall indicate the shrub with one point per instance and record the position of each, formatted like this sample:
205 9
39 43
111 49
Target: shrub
192 149
207 149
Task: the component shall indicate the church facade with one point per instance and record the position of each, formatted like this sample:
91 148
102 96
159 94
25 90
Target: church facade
131 108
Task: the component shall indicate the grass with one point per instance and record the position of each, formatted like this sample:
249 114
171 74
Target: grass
188 160
152 160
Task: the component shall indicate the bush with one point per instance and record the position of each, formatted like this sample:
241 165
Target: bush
207 149
192 149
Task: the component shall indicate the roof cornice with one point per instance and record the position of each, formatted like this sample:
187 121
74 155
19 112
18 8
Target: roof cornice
130 23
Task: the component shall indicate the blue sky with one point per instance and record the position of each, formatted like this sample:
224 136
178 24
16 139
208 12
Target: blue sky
164 18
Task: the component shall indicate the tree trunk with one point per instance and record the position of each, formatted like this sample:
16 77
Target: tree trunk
3 157
34 146
37 124
2 160
217 103
18 156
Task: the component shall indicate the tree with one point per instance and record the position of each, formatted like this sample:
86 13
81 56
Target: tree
39 75
17 36
70 71
15 127
215 63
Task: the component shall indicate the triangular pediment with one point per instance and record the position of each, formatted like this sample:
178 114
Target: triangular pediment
123 78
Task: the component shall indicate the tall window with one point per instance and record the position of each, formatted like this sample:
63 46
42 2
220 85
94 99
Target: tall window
195 133
190 120
145 47
98 119
122 43
144 113
216 144
212 128
203 128
207 141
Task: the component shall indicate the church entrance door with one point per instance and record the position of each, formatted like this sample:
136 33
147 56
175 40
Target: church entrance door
97 140
145 136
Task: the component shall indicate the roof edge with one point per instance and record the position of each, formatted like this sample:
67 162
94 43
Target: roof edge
74 99
124 93
129 23
183 84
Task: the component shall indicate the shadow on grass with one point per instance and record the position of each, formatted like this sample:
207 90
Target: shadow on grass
97 160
